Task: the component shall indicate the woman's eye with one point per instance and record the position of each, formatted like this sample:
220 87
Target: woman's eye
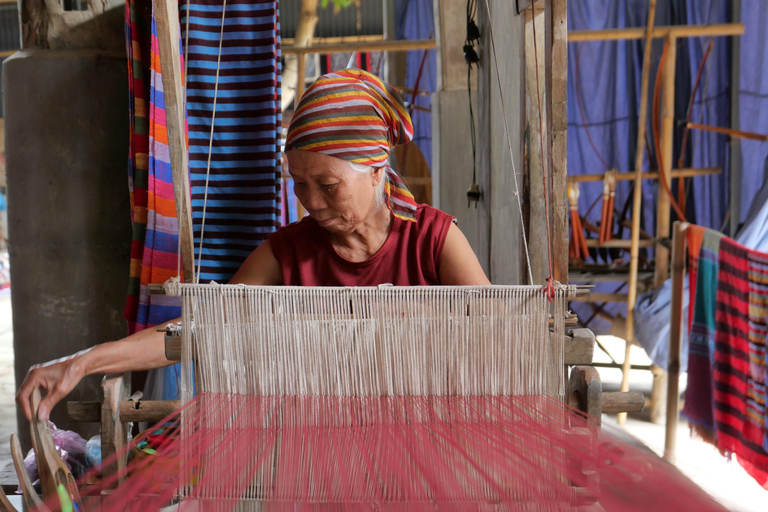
329 186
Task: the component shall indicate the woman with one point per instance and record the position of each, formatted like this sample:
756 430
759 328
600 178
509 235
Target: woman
363 228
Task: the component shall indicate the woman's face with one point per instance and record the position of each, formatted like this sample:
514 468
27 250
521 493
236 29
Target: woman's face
337 197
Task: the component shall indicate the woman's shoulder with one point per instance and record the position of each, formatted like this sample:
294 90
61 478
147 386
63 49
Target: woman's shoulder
426 215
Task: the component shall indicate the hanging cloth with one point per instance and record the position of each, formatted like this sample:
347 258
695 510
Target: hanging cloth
739 369
153 207
240 81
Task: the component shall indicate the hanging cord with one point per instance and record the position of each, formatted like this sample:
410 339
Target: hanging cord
509 143
470 56
210 141
550 279
656 138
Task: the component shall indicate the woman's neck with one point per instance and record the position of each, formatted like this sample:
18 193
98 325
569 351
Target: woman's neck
366 238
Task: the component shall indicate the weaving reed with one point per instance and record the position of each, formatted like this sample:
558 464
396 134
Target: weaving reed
386 398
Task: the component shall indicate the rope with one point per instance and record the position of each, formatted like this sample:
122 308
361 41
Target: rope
210 140
509 144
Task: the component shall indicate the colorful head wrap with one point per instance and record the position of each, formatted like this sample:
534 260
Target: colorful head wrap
352 115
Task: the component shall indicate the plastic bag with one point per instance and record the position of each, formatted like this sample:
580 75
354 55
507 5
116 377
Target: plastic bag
71 447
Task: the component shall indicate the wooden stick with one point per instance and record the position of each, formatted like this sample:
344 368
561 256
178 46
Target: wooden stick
167 17
636 205
372 46
687 172
288 42
623 34
738 134
675 337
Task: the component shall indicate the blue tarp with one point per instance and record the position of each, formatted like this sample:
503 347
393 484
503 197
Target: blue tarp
603 104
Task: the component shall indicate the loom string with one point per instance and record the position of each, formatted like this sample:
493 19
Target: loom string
210 138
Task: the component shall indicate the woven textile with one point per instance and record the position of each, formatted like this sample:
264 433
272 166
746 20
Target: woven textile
740 367
701 342
155 227
243 200
352 115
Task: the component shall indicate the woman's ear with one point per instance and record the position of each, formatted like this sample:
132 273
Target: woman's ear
377 175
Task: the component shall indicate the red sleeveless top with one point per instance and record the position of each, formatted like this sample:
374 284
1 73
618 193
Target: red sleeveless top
409 257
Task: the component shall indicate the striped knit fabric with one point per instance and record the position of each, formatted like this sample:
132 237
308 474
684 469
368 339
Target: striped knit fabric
740 366
352 115
243 200
155 227
701 342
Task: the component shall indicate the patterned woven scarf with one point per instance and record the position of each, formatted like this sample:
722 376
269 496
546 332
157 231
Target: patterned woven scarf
352 115
739 362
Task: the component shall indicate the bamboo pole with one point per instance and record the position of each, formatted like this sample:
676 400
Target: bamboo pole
737 134
675 337
636 205
168 37
650 175
667 145
301 77
663 208
365 46
624 34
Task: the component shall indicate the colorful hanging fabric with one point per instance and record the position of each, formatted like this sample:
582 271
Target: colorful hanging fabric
739 362
155 227
695 236
243 82
701 342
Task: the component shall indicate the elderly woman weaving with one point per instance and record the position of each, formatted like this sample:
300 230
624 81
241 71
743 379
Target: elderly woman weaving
363 228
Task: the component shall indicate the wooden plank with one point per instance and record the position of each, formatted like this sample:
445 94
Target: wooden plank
130 411
556 57
675 338
688 172
290 41
623 34
637 203
167 17
363 47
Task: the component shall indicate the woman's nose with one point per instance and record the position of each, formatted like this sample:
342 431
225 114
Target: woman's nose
313 199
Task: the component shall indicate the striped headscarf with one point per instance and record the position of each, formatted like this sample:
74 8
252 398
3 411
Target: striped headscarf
352 115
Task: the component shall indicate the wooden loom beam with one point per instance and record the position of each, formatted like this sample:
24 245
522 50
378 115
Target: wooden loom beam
168 37
648 175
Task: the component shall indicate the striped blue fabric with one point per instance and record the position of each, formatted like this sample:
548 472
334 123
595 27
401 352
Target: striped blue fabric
243 204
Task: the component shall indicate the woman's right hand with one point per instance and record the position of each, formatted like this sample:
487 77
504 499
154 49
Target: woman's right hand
54 378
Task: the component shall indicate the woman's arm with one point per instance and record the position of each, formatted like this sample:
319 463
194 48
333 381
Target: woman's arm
143 350
458 264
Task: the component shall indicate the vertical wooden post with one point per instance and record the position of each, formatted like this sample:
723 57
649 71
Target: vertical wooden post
556 54
667 136
637 203
675 337
168 37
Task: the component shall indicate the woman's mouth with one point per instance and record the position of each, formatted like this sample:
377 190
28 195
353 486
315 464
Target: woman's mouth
325 222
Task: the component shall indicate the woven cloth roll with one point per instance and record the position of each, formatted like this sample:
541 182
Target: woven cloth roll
352 115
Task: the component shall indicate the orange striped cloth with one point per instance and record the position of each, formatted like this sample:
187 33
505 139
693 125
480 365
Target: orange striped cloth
353 115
